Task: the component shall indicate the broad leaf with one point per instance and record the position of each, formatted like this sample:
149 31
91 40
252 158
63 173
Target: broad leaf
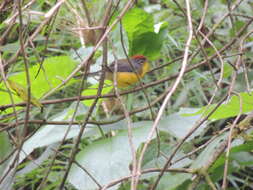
230 108
141 35
54 70
179 125
106 159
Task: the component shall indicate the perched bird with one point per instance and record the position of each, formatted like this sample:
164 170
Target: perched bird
126 72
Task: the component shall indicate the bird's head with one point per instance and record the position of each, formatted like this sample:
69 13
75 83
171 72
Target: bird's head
140 59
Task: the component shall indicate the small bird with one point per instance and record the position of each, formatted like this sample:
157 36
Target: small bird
128 74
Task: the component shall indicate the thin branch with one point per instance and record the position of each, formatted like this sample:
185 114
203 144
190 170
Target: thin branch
173 89
224 182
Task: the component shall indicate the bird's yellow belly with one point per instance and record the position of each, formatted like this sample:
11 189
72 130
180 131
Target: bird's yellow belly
125 79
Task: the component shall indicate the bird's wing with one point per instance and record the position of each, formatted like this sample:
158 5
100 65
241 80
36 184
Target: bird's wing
124 66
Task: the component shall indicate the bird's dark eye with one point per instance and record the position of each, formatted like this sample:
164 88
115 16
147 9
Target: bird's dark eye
142 60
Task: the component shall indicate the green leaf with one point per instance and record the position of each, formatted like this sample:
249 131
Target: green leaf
141 36
204 156
227 70
144 21
178 125
232 108
240 153
49 134
172 181
150 159
55 69
22 92
229 109
5 148
93 90
107 159
237 26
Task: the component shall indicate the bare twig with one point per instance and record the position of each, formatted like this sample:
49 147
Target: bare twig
224 183
162 108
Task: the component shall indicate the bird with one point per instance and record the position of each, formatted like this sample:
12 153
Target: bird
127 73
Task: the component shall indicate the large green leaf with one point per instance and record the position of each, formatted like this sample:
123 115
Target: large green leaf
55 69
179 125
106 159
229 109
50 134
142 38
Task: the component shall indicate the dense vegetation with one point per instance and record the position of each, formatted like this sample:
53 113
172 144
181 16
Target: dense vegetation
186 125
